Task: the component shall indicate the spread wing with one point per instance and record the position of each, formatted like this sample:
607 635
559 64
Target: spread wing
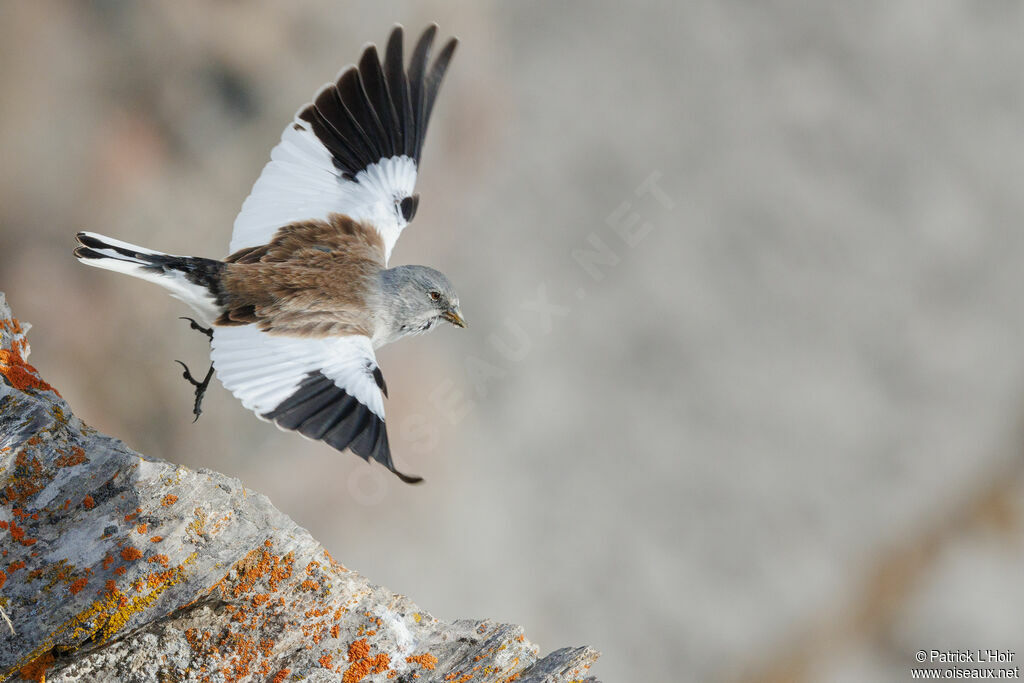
355 150
327 389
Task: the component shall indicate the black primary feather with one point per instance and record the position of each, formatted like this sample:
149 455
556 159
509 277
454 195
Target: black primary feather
321 410
378 110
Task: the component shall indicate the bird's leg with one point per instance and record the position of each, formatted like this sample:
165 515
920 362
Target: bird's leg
197 408
208 331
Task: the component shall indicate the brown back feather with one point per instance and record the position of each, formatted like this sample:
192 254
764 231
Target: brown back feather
313 279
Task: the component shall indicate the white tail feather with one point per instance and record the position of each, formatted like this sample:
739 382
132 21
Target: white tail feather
175 282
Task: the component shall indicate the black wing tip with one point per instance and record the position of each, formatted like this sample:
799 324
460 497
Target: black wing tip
323 411
370 50
432 28
449 47
408 479
369 53
379 108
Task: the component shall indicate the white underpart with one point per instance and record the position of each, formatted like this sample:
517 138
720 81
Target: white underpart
301 183
262 370
196 296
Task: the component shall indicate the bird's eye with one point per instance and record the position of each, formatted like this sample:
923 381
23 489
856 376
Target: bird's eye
434 296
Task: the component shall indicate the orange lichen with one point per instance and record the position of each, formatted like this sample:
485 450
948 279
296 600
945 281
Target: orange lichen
334 563
281 675
110 586
3 524
308 585
362 664
326 661
162 559
11 325
120 571
3 578
335 630
108 560
130 554
18 534
314 631
169 499
78 585
425 660
156 539
142 528
88 502
15 566
36 669
155 579
20 374
76 457
28 478
238 652
131 516
359 649
257 564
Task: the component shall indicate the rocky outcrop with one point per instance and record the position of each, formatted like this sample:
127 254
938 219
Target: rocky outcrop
119 567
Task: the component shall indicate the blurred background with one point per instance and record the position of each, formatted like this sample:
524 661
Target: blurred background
742 393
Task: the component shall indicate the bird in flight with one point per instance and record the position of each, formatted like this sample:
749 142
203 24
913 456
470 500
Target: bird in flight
295 312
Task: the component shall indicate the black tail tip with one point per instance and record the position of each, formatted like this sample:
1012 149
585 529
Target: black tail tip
89 241
87 253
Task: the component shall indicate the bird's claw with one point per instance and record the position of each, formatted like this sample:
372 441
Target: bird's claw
197 408
208 331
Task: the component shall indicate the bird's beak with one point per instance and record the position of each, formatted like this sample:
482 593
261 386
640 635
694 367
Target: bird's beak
454 316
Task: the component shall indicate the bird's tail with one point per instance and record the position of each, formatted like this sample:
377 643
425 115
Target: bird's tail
196 281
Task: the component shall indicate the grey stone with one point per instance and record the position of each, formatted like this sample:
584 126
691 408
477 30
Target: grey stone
121 567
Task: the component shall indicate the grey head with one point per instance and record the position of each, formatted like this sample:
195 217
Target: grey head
413 300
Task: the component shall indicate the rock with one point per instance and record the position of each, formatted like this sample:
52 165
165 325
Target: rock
119 567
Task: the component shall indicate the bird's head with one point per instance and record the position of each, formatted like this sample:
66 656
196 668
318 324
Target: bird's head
419 297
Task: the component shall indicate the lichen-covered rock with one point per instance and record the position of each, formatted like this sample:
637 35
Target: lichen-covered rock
119 567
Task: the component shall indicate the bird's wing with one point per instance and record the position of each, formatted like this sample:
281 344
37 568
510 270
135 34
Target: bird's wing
327 389
354 150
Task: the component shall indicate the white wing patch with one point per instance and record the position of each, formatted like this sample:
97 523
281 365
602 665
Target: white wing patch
301 183
263 370
355 149
325 389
